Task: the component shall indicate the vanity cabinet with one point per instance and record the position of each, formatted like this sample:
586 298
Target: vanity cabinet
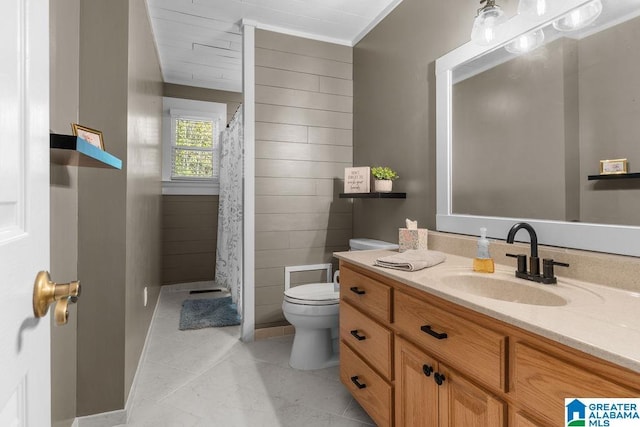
430 394
366 343
411 358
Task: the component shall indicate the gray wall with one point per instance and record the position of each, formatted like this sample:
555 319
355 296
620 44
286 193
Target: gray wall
189 237
143 208
232 99
394 106
303 143
119 211
509 137
64 94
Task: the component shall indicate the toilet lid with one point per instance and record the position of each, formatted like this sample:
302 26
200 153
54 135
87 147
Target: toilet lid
313 294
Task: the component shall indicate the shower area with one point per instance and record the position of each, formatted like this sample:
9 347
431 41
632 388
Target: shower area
229 256
296 120
203 227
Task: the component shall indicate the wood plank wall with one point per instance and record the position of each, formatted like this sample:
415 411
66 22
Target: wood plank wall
304 115
189 237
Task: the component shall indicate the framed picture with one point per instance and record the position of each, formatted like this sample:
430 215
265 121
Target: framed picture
92 136
615 166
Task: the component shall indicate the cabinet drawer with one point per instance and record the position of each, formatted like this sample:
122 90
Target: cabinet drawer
460 343
374 394
369 339
542 382
367 294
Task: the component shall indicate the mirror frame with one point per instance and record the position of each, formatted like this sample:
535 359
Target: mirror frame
617 239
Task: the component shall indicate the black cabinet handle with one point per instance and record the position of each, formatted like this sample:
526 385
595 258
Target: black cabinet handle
427 370
357 383
428 330
356 290
358 337
438 378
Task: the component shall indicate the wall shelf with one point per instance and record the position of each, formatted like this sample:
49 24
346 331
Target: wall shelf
374 195
74 151
634 175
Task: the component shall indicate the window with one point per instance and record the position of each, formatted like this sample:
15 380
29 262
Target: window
191 146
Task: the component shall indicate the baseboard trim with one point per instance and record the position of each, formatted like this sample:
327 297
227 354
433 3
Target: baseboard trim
206 284
121 416
143 355
105 419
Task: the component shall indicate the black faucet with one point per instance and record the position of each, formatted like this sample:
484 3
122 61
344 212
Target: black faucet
548 276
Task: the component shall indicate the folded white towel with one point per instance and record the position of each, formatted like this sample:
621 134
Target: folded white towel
412 260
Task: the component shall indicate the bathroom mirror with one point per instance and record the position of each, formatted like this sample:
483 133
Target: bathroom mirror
519 133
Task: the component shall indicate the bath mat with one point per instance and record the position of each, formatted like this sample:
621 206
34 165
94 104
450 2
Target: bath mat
208 313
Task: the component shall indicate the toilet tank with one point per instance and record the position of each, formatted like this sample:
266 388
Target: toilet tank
367 244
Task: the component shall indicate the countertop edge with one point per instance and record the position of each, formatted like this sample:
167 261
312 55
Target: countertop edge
529 326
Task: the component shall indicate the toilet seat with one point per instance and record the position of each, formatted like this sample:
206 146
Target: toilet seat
312 294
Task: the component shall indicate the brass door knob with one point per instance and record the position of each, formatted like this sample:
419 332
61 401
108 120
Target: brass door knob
46 292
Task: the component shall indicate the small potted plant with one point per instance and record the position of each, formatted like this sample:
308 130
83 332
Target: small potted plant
384 177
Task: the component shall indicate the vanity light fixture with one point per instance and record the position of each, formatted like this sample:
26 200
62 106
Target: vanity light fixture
580 17
488 23
526 42
532 8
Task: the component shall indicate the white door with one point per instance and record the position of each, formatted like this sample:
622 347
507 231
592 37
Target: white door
24 211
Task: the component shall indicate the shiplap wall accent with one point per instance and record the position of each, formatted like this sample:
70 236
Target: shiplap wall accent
304 114
189 237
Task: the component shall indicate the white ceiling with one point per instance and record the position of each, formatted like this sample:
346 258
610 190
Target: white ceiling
200 41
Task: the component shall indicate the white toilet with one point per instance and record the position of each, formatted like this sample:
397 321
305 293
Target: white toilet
313 310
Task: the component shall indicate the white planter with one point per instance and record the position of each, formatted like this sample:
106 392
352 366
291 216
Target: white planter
382 185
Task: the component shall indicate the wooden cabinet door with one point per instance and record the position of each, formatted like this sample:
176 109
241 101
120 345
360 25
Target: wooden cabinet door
521 420
463 404
416 390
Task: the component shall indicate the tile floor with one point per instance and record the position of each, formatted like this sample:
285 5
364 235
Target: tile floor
208 378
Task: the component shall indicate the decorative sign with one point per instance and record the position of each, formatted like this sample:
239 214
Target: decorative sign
357 180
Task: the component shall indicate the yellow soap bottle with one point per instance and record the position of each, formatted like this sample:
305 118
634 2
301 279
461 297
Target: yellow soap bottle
483 261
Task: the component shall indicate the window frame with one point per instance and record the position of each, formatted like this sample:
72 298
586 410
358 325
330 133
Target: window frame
173 109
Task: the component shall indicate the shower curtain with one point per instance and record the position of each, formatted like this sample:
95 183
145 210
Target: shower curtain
229 249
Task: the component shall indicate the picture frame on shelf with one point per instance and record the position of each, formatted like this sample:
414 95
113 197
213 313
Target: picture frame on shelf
613 166
92 136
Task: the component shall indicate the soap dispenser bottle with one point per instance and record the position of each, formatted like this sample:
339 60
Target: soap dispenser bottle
483 261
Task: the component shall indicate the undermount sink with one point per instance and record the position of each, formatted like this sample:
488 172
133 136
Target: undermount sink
503 289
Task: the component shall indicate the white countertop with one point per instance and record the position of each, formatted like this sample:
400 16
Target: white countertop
598 320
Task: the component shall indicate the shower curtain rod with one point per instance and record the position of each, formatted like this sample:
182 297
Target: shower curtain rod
234 114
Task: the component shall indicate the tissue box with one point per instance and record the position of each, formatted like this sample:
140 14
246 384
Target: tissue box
412 239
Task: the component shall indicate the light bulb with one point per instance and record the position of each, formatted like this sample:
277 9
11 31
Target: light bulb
532 8
526 42
580 17
487 26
